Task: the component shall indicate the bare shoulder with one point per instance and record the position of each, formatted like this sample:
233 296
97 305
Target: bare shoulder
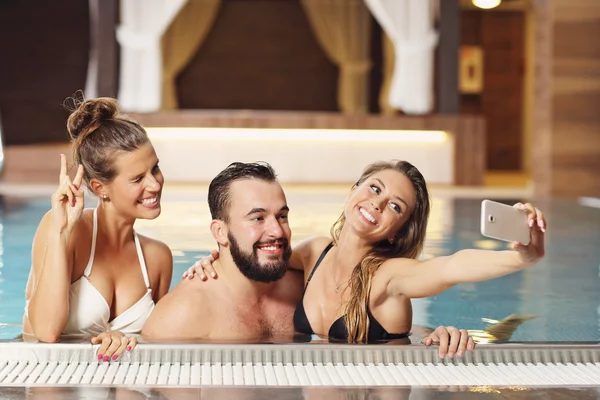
81 235
44 228
179 314
311 248
45 222
291 285
397 266
394 274
157 253
41 234
154 248
192 291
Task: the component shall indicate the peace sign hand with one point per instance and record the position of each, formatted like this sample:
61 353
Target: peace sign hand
67 201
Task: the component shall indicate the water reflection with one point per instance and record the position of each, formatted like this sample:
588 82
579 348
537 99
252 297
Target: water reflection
297 393
499 331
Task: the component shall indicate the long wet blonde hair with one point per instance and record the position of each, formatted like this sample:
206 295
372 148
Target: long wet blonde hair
408 243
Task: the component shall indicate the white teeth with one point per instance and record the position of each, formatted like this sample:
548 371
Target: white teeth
269 248
149 201
367 215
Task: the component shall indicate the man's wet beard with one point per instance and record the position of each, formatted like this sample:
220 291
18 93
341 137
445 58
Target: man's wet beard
251 268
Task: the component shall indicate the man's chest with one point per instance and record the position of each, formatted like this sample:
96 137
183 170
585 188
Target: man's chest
264 323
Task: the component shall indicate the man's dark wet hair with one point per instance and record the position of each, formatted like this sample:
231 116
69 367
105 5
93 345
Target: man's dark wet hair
218 191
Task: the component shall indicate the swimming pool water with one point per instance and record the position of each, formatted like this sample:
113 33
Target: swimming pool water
563 290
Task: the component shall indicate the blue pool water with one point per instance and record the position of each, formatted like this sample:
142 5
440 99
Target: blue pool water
563 290
18 223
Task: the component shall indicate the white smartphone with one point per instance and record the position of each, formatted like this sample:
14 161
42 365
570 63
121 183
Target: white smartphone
503 222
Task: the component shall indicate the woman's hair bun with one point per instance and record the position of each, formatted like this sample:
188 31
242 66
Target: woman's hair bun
89 115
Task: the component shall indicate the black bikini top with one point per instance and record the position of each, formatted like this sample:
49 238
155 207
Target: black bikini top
339 330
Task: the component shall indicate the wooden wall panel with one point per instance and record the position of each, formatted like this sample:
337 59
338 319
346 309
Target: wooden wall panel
575 153
541 132
44 51
501 35
447 58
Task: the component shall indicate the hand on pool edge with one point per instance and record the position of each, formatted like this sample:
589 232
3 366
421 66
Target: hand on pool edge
451 341
113 344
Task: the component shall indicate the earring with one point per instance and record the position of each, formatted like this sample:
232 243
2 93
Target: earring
392 240
104 196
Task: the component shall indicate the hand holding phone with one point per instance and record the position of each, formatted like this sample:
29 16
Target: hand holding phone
522 224
503 222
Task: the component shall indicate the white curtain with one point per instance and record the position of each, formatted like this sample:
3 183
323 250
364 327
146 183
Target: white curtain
143 23
410 26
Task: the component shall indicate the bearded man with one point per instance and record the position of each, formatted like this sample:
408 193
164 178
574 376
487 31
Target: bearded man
255 296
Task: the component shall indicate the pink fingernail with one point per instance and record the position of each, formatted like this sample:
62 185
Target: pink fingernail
99 356
128 348
105 358
75 186
114 357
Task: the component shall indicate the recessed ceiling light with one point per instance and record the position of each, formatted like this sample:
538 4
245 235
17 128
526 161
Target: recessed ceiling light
486 4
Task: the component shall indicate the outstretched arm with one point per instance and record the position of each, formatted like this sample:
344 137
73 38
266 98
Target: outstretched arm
414 278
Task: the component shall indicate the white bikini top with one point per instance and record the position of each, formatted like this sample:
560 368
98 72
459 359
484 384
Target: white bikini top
89 313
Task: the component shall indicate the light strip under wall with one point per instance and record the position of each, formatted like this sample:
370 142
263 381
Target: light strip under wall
296 135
